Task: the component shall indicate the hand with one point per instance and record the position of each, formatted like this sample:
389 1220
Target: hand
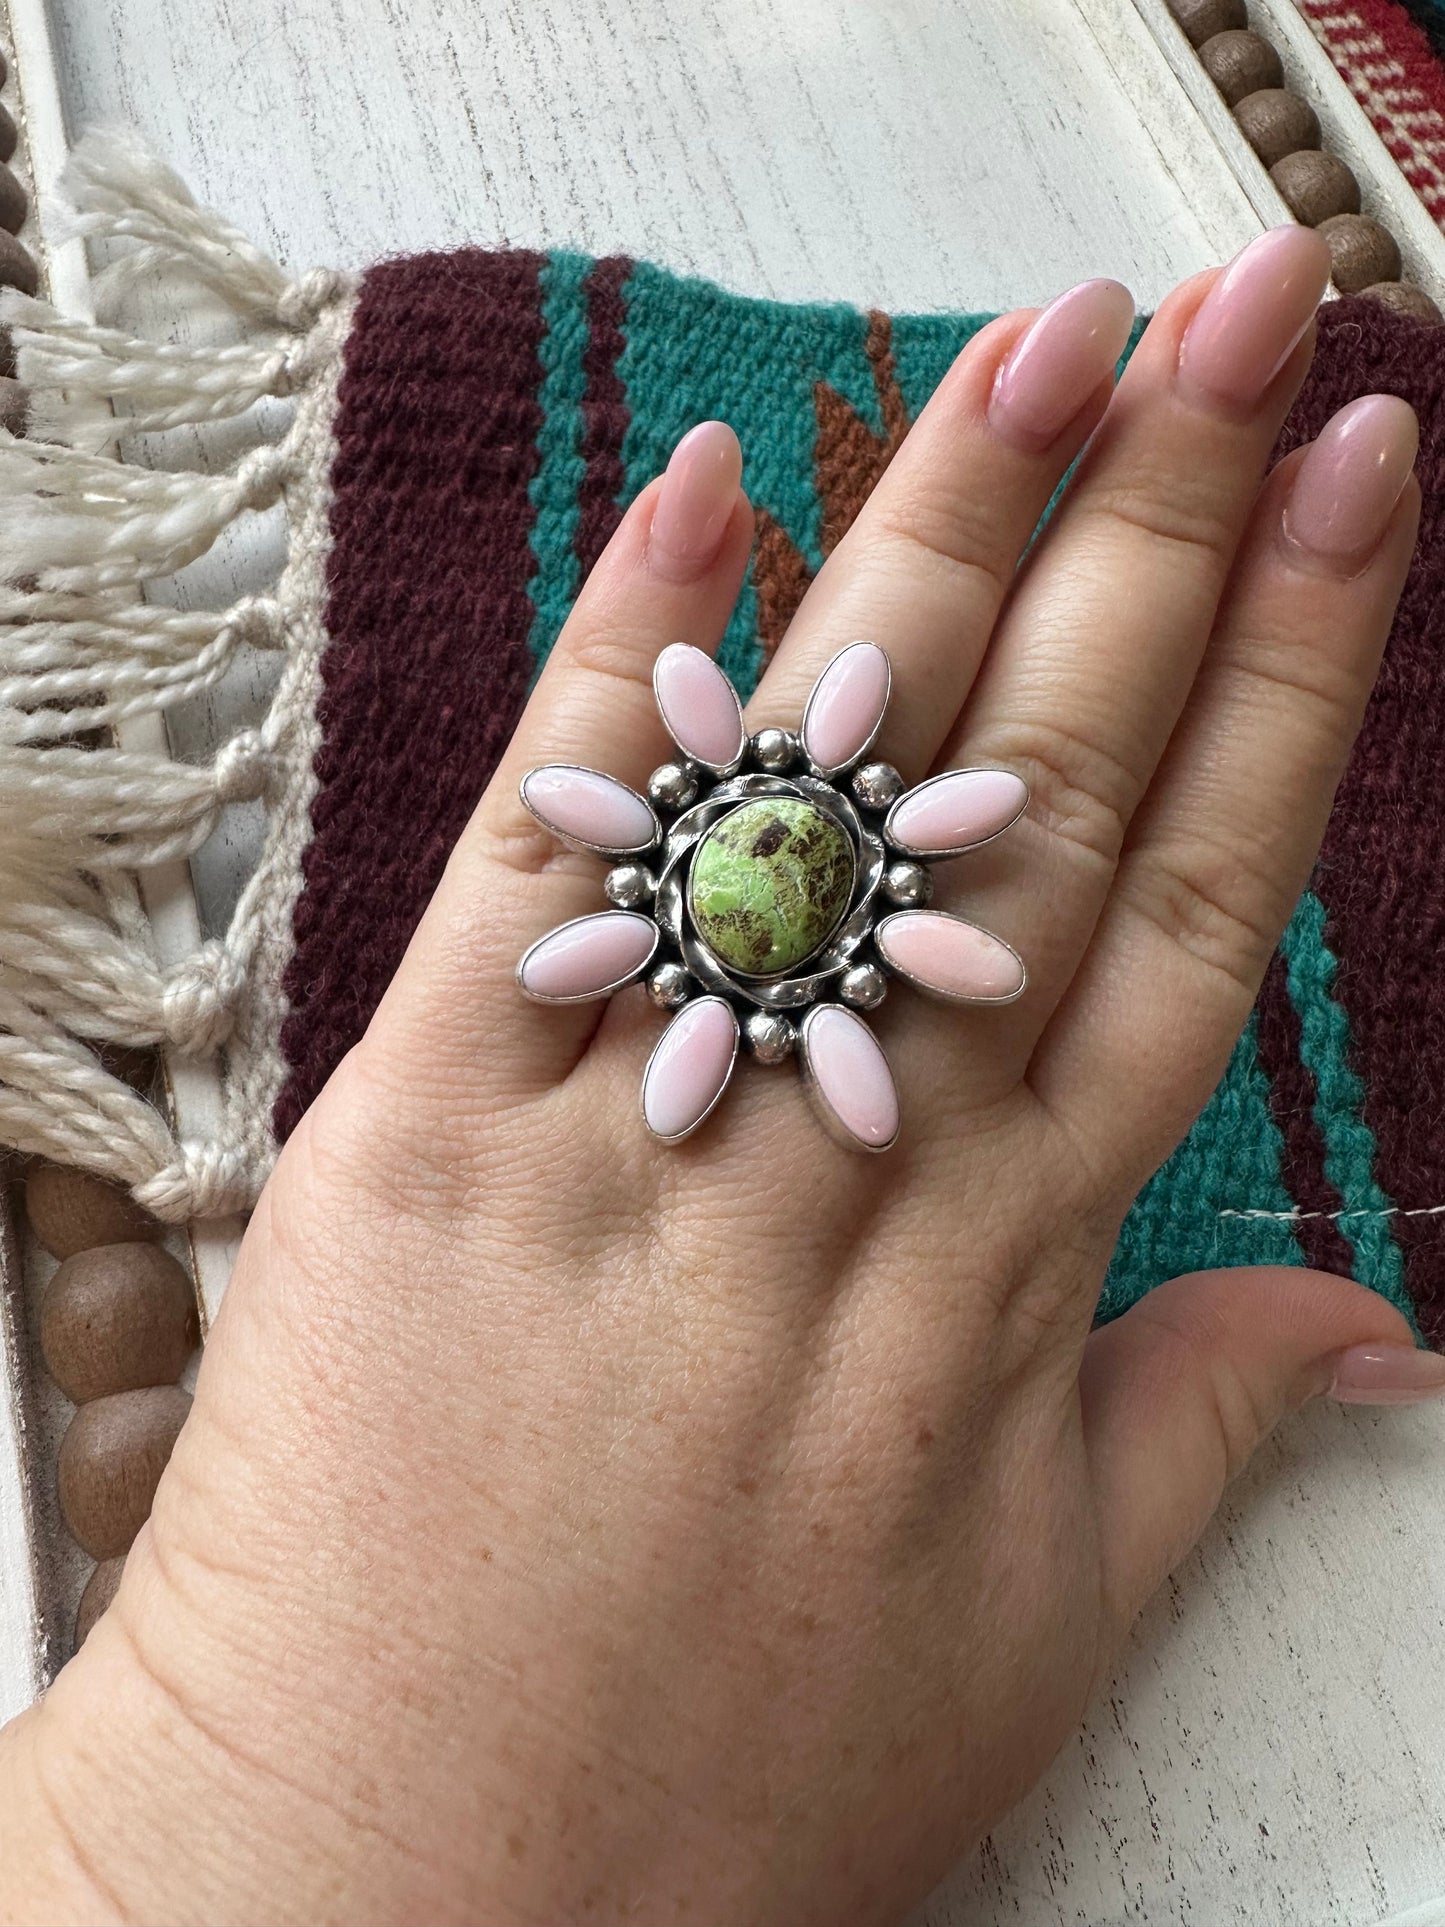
570 1528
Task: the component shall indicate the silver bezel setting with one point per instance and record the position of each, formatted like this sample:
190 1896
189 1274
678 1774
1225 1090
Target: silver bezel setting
569 839
963 849
931 990
827 1116
676 1137
603 990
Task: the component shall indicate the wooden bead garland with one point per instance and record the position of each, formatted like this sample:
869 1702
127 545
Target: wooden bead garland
1362 253
70 1211
1203 19
111 1461
1276 122
1314 186
17 267
1403 297
1284 131
1240 63
100 1589
117 1318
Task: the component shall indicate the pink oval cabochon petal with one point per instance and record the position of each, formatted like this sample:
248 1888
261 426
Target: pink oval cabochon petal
589 956
699 706
846 706
850 1075
687 1073
947 955
589 807
953 812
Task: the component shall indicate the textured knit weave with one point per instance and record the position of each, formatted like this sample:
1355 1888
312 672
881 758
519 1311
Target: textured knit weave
1392 56
496 414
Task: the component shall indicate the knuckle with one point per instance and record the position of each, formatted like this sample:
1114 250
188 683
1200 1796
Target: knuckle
1082 792
1319 697
609 655
1186 524
1219 905
1187 1352
934 529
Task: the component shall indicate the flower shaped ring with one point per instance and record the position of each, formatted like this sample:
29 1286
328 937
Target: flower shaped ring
768 887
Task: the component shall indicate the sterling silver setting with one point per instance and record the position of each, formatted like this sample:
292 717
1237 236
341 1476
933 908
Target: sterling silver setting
773 1017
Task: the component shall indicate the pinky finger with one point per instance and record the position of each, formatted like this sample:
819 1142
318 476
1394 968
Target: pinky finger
1226 837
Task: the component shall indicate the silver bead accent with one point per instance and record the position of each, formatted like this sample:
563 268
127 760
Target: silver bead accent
668 986
629 884
877 785
775 750
907 884
771 1037
673 786
864 986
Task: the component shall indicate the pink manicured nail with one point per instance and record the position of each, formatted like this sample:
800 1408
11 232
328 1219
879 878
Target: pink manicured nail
1345 490
1387 1375
697 498
1253 317
1052 372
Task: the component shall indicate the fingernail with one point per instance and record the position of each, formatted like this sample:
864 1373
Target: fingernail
1387 1375
696 501
1253 317
1053 370
1345 489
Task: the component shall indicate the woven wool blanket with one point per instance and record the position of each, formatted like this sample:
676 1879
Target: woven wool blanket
467 430
1391 54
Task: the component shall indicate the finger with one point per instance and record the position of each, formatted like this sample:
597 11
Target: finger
1179 1393
1101 643
933 551
672 571
1223 845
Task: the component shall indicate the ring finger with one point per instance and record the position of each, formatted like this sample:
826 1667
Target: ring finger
1104 636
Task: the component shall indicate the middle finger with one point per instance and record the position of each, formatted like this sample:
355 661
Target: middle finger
932 552
1105 633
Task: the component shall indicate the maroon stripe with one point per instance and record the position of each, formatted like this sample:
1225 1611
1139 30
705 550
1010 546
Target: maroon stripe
604 411
427 666
1292 1094
1382 869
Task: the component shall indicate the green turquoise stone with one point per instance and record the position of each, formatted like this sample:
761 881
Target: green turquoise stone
770 883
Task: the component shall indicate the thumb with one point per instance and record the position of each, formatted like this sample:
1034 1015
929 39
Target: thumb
1179 1392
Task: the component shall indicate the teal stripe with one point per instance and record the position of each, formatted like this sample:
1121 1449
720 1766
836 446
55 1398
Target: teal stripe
560 470
1310 971
1182 1220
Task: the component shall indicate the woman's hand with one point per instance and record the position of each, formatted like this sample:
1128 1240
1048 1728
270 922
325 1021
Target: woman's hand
570 1528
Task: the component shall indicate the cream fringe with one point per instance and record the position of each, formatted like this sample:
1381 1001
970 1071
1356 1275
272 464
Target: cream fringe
81 535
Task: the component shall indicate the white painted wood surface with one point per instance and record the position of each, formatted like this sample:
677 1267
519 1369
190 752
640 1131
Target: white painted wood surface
1275 1742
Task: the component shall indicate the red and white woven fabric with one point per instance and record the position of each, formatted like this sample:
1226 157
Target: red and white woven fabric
1392 69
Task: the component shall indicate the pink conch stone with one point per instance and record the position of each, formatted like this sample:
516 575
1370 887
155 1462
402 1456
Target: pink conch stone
589 807
589 956
851 1075
945 954
846 706
953 812
687 1072
698 705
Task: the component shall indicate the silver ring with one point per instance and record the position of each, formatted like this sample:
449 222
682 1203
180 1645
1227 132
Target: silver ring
773 887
